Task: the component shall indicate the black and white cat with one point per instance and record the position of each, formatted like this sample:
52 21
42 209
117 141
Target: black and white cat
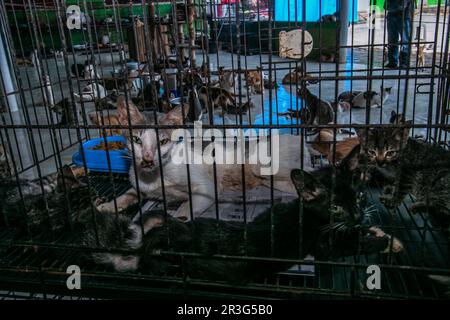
360 99
92 92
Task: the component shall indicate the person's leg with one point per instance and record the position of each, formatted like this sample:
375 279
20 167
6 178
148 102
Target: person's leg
393 35
406 37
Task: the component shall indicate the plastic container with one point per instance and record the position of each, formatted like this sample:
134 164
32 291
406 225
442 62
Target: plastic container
132 65
97 160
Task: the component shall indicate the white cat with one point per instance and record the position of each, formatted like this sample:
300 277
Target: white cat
92 92
229 176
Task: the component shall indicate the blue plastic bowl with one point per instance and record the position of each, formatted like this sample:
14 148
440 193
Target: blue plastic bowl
97 160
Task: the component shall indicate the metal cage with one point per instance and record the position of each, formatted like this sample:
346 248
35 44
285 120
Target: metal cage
66 66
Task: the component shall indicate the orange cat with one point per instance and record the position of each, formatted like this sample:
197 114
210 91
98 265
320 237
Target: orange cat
323 144
255 81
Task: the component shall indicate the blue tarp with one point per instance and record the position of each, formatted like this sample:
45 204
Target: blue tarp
292 10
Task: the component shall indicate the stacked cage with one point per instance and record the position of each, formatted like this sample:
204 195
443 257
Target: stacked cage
223 149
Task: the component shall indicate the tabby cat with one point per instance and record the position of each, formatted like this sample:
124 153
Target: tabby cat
423 170
408 166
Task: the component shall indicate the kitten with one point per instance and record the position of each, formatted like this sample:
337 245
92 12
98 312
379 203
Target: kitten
421 56
423 170
241 109
319 111
66 178
85 71
92 92
64 108
227 79
108 102
255 81
340 106
360 99
297 75
379 148
148 166
328 18
301 114
220 98
323 143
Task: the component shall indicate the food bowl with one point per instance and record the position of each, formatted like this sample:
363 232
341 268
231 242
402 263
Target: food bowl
97 158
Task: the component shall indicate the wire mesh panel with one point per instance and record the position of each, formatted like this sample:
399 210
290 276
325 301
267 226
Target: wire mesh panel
224 148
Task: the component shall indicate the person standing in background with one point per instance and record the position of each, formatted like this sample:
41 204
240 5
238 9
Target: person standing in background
399 17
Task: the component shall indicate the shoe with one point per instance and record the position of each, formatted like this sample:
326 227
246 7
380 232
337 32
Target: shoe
391 65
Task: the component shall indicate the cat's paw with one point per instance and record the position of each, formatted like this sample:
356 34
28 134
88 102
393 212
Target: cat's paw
109 207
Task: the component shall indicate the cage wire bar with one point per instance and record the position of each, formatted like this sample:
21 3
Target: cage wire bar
62 87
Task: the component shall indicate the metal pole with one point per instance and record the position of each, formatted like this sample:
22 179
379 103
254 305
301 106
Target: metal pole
343 36
6 73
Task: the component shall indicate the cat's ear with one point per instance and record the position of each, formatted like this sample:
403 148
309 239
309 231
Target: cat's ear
174 117
306 185
393 118
134 113
401 135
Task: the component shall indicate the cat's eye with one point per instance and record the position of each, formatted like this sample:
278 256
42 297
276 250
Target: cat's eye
164 141
372 153
136 140
390 154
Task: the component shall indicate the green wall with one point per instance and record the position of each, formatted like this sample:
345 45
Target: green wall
18 21
380 3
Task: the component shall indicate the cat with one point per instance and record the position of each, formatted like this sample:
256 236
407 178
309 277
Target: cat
64 108
340 106
421 56
323 144
379 147
297 75
227 79
406 165
67 178
351 234
423 170
241 109
148 166
220 98
301 114
360 99
85 71
328 56
328 18
255 81
91 92
108 102
319 111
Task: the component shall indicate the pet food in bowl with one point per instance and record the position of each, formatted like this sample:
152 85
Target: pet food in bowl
97 152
